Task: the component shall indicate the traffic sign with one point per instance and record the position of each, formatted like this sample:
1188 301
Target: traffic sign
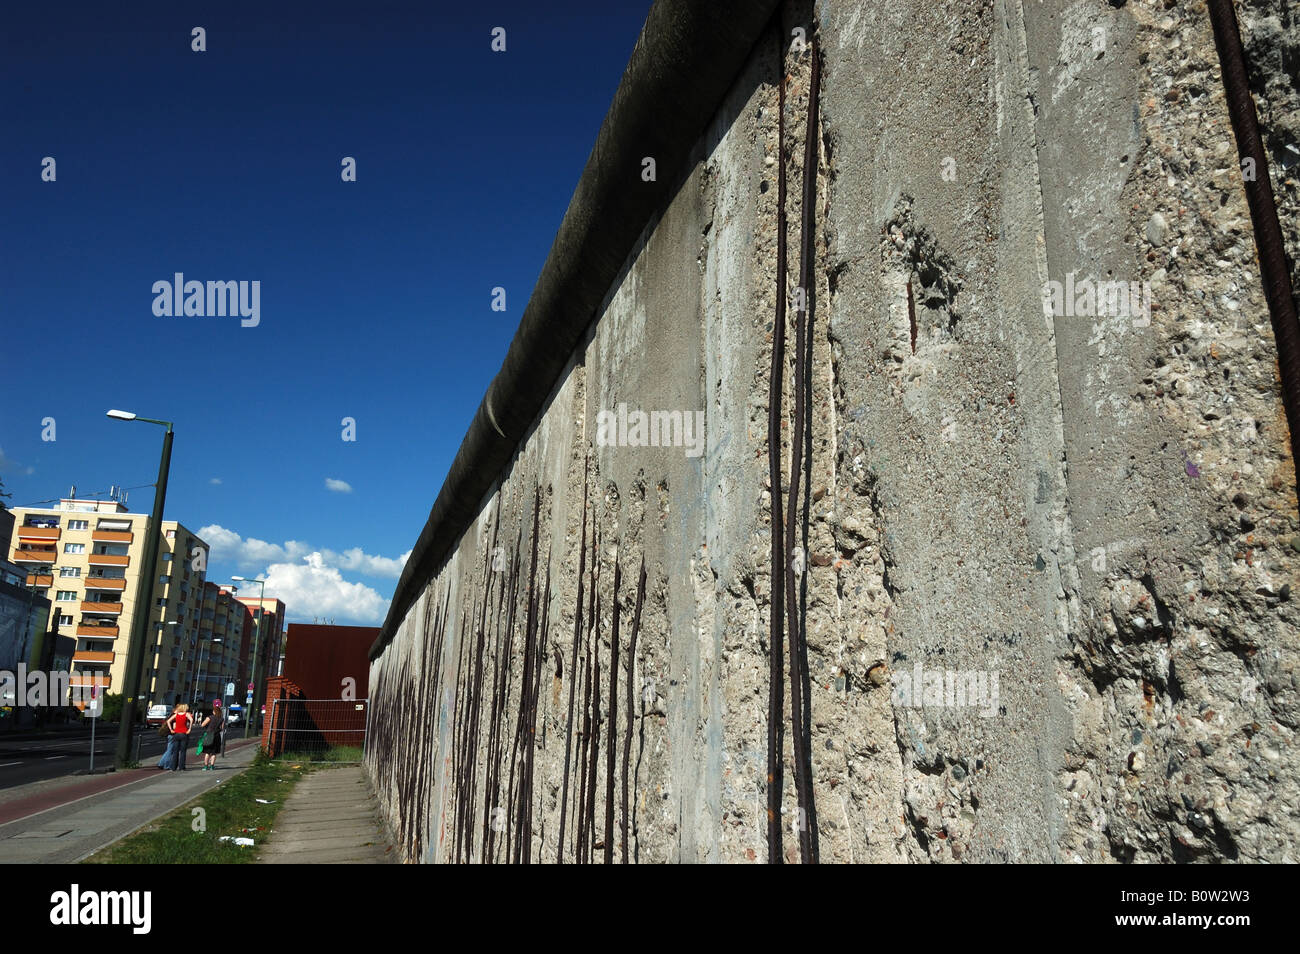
230 688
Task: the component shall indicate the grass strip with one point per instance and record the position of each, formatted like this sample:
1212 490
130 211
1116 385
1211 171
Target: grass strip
335 753
228 809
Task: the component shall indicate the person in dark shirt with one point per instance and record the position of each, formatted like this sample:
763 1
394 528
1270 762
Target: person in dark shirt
213 727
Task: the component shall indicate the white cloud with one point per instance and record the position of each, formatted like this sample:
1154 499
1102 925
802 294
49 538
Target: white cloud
215 480
312 588
369 565
12 466
338 486
252 553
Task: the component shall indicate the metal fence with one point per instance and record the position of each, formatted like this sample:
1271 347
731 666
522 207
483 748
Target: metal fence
317 730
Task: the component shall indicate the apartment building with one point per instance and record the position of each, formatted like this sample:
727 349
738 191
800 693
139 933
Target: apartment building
85 556
225 628
267 633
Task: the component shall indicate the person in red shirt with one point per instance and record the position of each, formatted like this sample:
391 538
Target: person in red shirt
179 724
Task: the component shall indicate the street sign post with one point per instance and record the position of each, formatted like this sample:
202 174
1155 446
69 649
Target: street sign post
94 717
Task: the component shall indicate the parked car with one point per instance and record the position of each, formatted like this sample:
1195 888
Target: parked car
157 715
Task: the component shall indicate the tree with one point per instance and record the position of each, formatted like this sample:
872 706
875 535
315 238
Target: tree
112 707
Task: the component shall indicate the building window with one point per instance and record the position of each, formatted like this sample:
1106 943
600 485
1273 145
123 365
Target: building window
66 596
74 548
65 619
162 601
78 524
69 571
165 578
171 534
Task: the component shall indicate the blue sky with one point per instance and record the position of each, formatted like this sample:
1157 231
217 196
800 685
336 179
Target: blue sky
375 295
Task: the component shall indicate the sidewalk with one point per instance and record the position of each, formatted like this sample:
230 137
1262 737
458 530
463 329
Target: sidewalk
70 831
330 818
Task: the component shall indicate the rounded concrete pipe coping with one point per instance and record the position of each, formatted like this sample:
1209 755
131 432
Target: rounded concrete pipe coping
685 60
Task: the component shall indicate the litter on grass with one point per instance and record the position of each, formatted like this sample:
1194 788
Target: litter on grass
265 801
241 842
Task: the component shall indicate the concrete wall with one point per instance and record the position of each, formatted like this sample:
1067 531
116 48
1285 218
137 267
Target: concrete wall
1091 519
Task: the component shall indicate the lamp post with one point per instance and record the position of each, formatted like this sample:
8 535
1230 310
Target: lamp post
255 706
143 591
198 690
192 672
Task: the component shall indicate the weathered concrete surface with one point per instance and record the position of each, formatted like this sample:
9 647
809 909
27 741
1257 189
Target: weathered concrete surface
1090 519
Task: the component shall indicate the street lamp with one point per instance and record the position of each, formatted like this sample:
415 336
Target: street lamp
202 683
143 591
257 662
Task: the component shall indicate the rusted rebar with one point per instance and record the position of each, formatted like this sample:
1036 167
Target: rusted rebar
594 751
583 844
522 734
573 667
611 745
776 635
631 710
798 674
1274 274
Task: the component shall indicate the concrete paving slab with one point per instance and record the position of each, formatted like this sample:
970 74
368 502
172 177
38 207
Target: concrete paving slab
329 818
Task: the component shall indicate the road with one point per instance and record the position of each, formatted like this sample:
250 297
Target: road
33 760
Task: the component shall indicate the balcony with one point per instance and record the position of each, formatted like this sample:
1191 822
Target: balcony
35 556
100 632
112 536
88 656
87 679
105 583
108 609
38 533
35 579
108 559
